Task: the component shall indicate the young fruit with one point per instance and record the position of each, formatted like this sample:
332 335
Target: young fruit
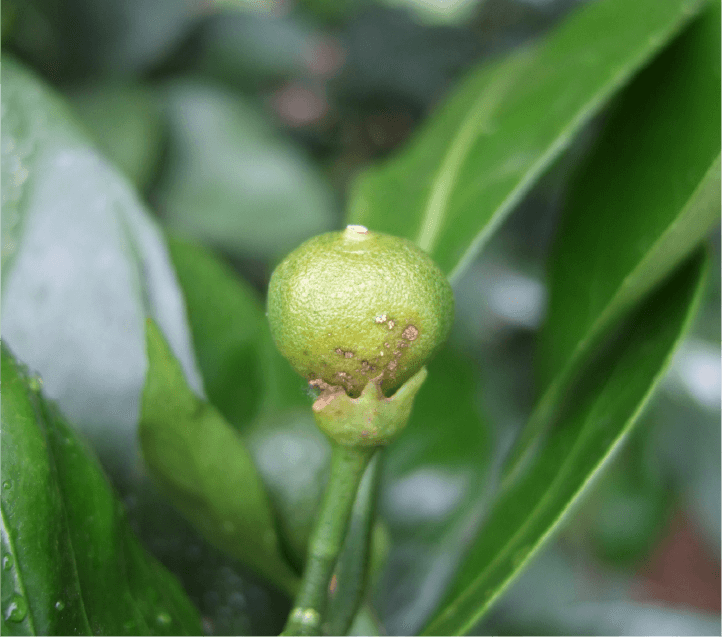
353 306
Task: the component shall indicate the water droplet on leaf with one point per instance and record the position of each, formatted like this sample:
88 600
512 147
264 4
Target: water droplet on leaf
7 562
17 609
163 618
60 604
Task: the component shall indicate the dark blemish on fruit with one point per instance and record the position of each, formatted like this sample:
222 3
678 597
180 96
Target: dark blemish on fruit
367 368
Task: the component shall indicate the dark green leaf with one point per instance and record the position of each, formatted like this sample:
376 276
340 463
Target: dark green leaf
82 266
648 196
601 410
232 181
204 467
226 320
478 156
71 565
125 121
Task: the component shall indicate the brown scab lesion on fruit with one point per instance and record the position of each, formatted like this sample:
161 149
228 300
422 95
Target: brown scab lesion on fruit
410 333
367 368
344 353
345 380
328 392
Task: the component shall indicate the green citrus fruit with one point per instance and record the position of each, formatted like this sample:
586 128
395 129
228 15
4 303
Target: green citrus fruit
348 307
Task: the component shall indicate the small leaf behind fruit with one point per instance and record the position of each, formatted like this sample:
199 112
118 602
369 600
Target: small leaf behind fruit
203 466
505 124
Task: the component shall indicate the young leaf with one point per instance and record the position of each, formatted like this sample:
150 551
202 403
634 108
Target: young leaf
82 266
226 319
648 196
602 409
71 564
507 122
205 469
242 370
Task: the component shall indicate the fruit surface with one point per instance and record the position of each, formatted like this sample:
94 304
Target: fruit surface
348 307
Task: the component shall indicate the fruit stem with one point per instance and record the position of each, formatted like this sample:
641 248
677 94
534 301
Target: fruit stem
347 468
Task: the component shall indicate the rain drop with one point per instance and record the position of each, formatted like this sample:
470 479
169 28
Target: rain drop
60 604
7 562
163 618
7 484
17 609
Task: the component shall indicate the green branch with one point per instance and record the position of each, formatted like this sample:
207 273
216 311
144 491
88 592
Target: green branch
347 468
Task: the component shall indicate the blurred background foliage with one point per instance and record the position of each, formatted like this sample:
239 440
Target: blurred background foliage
242 123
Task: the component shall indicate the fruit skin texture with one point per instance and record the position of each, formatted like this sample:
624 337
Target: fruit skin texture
353 306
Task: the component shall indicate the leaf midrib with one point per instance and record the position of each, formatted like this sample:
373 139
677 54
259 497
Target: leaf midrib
475 122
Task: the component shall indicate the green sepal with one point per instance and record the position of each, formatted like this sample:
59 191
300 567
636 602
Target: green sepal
370 420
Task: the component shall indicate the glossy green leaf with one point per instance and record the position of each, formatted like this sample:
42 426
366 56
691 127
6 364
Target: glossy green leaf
70 563
506 123
82 266
645 200
232 181
601 410
204 467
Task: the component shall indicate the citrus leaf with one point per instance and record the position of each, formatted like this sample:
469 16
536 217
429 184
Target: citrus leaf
226 320
243 372
232 181
507 122
82 265
71 564
601 411
635 214
203 466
